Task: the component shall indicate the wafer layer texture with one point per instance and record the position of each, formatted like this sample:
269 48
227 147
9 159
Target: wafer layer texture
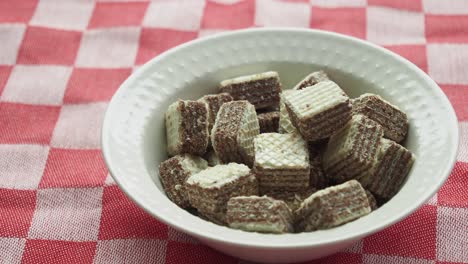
259 214
213 104
268 122
390 169
351 152
390 117
332 207
210 189
175 171
312 79
187 128
262 89
281 161
318 111
233 133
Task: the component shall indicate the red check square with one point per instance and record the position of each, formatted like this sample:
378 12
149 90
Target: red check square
446 29
413 5
27 123
117 14
454 192
413 237
229 16
50 251
349 21
155 41
177 252
414 53
458 96
74 168
17 11
121 218
16 209
49 46
91 85
4 74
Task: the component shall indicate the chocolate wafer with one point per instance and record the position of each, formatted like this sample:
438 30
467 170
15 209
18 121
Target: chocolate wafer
292 198
285 125
262 89
389 116
332 207
259 214
311 79
389 171
187 128
210 189
351 151
233 132
175 171
268 121
281 161
318 111
372 201
213 103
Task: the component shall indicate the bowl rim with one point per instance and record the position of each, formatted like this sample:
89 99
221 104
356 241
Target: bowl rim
447 168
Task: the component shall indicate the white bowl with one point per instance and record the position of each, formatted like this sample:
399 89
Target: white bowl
133 135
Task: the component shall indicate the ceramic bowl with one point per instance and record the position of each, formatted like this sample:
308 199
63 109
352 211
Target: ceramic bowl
133 134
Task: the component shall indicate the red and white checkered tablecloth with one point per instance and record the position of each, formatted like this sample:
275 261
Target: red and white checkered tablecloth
61 61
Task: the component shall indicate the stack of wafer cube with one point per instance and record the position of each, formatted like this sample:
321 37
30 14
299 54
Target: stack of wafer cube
260 159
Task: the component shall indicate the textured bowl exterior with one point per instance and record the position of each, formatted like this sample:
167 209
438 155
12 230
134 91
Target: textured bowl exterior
133 139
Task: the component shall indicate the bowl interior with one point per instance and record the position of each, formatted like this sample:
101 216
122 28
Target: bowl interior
134 133
290 74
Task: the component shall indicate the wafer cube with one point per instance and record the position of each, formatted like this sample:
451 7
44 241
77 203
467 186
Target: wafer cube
389 170
292 198
332 207
268 121
390 117
262 89
311 79
259 214
175 171
372 201
318 111
187 128
233 133
281 161
285 125
210 190
351 152
213 104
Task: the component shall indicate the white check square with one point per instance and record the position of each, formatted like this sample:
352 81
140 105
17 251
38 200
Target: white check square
284 14
388 26
11 35
447 63
67 214
22 166
43 84
79 126
11 249
186 13
57 14
452 235
109 48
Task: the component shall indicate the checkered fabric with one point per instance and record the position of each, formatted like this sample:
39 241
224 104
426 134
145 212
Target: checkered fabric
61 61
